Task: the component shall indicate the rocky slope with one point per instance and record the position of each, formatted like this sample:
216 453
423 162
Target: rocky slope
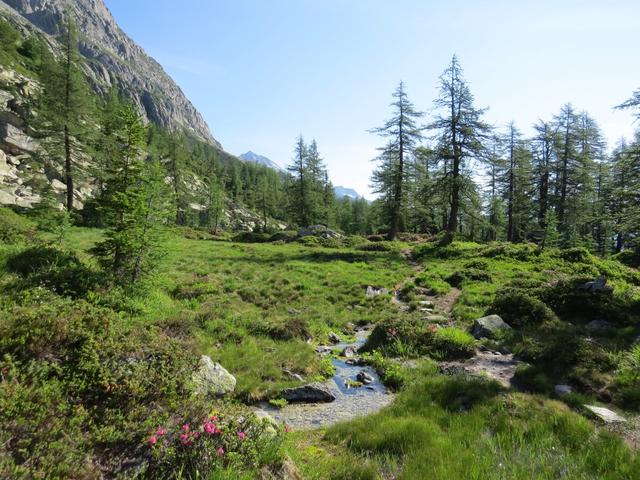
114 59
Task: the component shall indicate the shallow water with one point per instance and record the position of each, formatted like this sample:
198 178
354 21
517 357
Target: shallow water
349 403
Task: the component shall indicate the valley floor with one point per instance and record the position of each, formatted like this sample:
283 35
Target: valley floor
262 309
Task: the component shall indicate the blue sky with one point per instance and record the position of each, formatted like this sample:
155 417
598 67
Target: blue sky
264 71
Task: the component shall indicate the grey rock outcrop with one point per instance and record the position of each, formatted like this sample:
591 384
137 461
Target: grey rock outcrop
115 60
489 326
212 379
604 414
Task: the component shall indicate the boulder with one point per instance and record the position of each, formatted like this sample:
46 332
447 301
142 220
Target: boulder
489 326
15 141
599 285
212 379
312 393
375 291
364 377
349 352
599 325
561 390
334 338
324 350
318 231
604 414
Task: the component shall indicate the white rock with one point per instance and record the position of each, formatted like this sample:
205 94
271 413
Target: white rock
606 415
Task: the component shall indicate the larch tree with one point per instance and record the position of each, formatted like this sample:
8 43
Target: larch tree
391 177
65 106
460 132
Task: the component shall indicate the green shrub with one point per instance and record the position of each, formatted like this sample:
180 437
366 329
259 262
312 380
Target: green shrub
519 309
434 283
200 448
456 279
531 378
451 343
392 374
14 228
627 379
629 257
251 237
284 236
60 271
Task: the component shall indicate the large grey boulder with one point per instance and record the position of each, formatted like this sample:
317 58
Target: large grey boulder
604 414
312 393
212 379
561 390
318 231
15 141
489 326
599 285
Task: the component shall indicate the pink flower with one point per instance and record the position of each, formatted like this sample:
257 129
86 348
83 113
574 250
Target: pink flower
184 438
220 451
242 435
161 432
287 428
196 435
210 428
152 440
217 432
214 418
185 427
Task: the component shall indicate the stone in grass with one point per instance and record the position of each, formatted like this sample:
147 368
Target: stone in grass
604 414
212 379
561 390
312 393
334 338
488 327
599 325
374 291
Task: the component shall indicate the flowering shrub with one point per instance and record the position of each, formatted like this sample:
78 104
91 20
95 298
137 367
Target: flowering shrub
199 447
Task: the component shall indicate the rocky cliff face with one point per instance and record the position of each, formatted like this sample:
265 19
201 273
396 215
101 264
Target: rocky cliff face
115 60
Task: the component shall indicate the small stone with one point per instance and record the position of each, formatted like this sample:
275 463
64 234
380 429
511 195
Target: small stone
349 352
364 377
334 338
374 291
604 414
324 350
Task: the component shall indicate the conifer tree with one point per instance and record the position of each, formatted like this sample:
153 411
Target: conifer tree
65 107
391 177
134 201
461 134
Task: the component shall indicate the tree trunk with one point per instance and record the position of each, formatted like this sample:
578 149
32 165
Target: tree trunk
67 168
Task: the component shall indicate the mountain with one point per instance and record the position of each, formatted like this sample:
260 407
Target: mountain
342 192
261 160
114 60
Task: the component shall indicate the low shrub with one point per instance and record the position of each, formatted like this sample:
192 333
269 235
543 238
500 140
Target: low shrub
452 343
392 374
520 309
531 378
627 379
14 228
60 271
251 237
458 278
434 283
202 447
629 257
284 236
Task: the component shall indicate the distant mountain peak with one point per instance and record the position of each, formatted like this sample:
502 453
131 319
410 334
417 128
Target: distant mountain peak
253 157
342 192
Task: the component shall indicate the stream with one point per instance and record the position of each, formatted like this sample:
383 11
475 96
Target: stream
350 402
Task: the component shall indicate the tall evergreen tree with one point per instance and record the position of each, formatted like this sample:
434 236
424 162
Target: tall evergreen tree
391 176
461 134
65 106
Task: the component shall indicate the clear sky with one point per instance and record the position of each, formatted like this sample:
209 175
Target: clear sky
264 71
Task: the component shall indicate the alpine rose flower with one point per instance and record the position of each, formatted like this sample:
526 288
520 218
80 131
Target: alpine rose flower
242 435
152 440
161 432
220 451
